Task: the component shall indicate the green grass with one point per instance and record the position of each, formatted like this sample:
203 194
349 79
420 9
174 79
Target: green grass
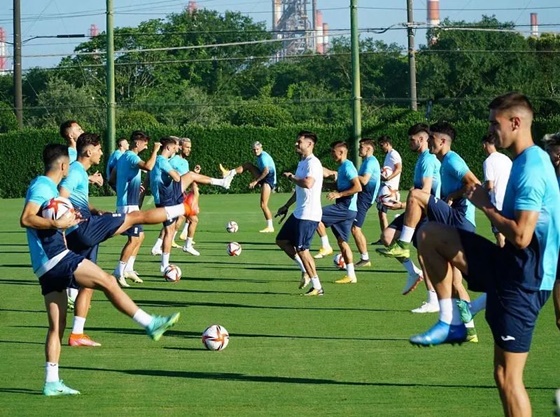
346 353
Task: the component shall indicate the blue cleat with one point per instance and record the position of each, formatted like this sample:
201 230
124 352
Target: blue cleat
52 389
465 310
159 325
441 333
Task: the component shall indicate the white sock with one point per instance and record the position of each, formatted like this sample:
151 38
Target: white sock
174 211
72 293
51 372
478 304
119 270
365 256
185 229
406 234
470 324
130 264
269 224
325 241
217 181
410 267
350 271
142 318
188 242
78 325
432 297
165 260
299 263
158 244
316 283
446 310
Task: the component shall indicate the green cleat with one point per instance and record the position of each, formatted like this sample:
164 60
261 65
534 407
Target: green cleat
160 325
465 310
398 249
472 337
52 389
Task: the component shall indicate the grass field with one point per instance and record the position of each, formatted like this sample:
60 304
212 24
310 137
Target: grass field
346 353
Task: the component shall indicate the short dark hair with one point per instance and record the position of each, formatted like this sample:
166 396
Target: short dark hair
139 135
338 144
65 127
490 138
120 140
419 127
86 139
368 141
52 153
166 140
384 139
551 139
445 128
510 101
308 135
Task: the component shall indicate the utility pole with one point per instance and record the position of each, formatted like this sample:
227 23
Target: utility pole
18 91
110 75
356 89
411 56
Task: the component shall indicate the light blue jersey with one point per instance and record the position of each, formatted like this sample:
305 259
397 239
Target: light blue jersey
370 165
72 154
46 247
129 180
532 187
112 162
346 173
180 164
428 166
264 160
453 169
159 176
77 184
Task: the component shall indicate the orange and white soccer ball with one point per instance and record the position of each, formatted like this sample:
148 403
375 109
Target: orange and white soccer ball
172 273
215 337
338 261
232 227
386 171
56 207
234 249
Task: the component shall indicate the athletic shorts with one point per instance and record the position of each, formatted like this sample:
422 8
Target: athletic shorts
511 310
167 222
340 219
441 212
92 231
398 223
135 230
298 232
171 195
62 275
364 204
268 180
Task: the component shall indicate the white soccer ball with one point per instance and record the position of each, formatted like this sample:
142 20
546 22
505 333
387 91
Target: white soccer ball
172 273
386 171
215 337
386 195
234 249
232 227
57 207
338 261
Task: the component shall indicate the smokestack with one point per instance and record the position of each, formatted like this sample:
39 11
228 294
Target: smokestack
2 50
276 13
192 7
319 32
534 25
433 18
93 30
325 38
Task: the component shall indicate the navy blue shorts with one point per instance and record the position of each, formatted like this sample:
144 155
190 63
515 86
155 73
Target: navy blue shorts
269 179
167 222
92 231
511 309
171 195
398 223
441 212
364 204
339 219
298 232
134 231
62 275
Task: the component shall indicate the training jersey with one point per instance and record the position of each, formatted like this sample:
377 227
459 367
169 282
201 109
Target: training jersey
72 154
46 247
129 180
112 162
264 160
532 187
179 164
308 200
392 158
453 169
159 176
428 166
496 169
346 173
370 165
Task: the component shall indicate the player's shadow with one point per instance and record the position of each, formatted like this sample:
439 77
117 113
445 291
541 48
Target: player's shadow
22 342
25 391
192 291
12 281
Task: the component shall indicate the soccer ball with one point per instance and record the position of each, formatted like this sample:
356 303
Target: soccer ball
234 249
232 227
386 195
386 171
215 337
57 207
338 261
172 273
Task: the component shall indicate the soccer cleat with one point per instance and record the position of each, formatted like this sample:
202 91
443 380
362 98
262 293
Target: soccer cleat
83 339
175 245
132 275
441 333
224 171
412 282
156 251
323 252
183 236
377 242
70 304
465 310
346 280
160 324
122 282
396 250
314 292
304 281
472 337
426 308
191 250
363 262
229 178
51 389
267 230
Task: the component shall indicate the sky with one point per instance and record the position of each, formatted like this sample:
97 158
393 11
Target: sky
55 17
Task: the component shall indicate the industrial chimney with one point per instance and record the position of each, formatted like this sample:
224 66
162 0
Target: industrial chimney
2 51
534 25
433 19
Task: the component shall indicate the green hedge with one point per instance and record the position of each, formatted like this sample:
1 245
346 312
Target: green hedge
20 152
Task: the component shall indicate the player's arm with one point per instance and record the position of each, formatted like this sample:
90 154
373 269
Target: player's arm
31 219
113 177
149 164
355 188
396 171
427 184
261 177
174 175
96 178
469 180
364 179
328 173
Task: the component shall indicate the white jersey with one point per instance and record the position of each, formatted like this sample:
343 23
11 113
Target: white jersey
308 200
392 158
496 169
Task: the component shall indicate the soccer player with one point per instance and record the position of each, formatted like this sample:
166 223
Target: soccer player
122 147
295 236
369 176
58 268
517 278
264 175
340 215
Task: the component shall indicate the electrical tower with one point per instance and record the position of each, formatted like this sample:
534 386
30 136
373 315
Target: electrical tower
291 21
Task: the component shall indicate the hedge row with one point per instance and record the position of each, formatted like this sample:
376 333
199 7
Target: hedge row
20 152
